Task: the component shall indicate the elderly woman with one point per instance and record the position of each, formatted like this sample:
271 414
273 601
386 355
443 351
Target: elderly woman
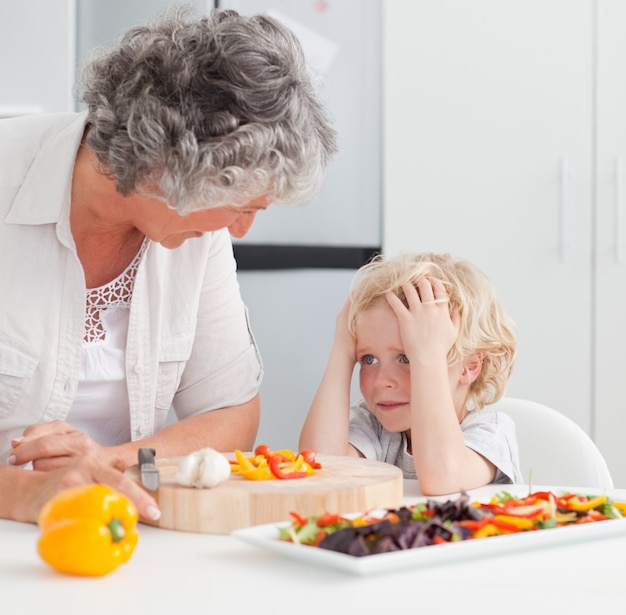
120 296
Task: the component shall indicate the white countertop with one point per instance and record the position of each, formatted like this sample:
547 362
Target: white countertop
180 573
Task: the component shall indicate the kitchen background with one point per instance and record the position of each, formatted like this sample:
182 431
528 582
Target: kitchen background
493 130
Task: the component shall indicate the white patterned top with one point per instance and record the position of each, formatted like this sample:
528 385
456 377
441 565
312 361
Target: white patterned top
116 294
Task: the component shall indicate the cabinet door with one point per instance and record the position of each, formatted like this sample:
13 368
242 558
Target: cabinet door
610 278
488 142
37 56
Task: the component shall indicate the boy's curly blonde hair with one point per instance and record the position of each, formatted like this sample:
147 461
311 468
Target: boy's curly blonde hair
485 326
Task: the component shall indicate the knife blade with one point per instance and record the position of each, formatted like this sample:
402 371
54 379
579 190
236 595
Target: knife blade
148 471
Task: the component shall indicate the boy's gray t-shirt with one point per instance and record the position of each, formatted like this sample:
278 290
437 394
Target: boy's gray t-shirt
488 432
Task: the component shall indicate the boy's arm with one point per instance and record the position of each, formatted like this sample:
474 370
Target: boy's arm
442 461
326 426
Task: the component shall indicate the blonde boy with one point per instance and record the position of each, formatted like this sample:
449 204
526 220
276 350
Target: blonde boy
434 348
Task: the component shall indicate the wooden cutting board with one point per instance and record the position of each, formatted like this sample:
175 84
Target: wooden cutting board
343 485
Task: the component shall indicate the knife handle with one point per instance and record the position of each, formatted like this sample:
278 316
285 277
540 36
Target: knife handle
146 455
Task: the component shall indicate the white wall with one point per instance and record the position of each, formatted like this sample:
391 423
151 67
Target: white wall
37 56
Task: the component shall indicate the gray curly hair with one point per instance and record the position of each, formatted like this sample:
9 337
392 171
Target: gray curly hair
204 111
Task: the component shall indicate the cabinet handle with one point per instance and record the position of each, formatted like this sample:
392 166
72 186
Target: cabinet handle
619 210
564 208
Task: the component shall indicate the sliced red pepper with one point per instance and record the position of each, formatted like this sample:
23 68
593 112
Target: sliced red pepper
528 511
274 464
595 515
438 540
299 519
472 525
319 537
309 457
504 525
327 519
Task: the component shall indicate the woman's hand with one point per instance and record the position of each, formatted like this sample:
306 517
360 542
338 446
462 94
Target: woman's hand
53 445
36 488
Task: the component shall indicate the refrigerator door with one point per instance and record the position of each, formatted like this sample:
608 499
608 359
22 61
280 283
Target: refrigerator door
342 43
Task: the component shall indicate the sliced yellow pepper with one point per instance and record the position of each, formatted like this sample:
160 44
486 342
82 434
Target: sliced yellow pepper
621 506
521 523
245 465
486 530
88 530
260 473
286 453
576 504
272 465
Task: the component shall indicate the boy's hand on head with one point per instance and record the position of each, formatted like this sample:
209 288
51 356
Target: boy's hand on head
427 327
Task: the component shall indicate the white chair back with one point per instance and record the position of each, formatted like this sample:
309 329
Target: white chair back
555 448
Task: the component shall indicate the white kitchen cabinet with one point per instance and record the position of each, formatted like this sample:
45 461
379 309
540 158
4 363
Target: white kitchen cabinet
609 282
37 56
503 127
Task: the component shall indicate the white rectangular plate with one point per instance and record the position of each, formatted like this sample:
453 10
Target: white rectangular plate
266 537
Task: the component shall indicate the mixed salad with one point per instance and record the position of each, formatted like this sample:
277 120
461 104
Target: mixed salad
439 522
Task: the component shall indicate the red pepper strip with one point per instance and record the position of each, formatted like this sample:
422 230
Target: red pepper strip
299 519
278 473
504 525
319 537
527 511
545 495
327 519
438 540
549 495
279 458
596 515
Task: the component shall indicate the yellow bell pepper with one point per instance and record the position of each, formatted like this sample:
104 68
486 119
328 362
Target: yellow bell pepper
88 530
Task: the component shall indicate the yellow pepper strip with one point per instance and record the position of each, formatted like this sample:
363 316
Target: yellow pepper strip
245 465
576 504
286 453
521 523
263 472
295 466
88 530
621 506
486 530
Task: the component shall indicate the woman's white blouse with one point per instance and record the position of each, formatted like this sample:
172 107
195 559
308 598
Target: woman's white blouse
101 407
188 338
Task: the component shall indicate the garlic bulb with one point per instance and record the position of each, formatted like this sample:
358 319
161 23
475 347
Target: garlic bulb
203 468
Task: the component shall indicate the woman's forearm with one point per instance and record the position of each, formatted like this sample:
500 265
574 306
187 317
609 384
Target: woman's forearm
225 430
